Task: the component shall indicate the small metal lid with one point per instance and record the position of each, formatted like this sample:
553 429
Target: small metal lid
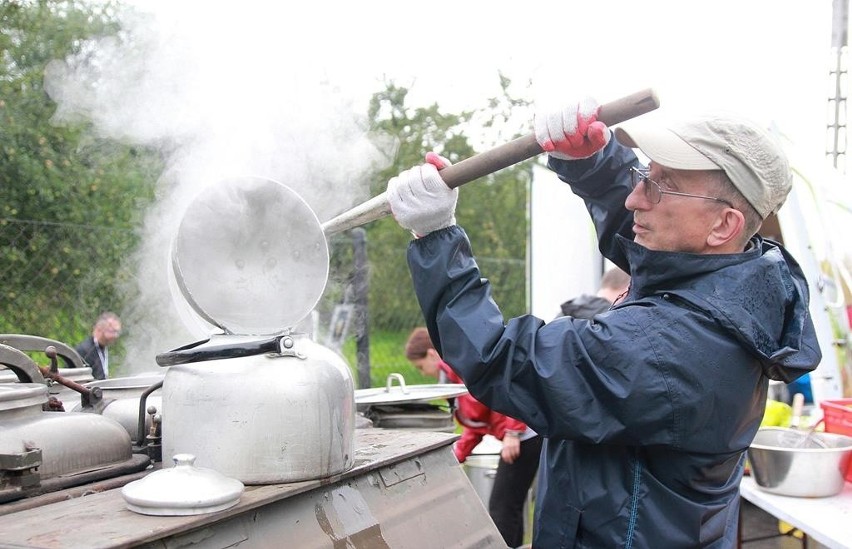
182 490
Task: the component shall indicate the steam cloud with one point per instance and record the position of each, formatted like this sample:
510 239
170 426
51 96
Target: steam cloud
222 92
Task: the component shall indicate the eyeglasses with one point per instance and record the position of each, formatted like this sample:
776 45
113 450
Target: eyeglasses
654 192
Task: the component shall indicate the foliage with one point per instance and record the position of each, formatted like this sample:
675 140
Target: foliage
62 177
71 202
388 345
492 211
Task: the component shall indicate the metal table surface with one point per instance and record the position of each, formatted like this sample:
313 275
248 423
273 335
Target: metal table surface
826 520
406 489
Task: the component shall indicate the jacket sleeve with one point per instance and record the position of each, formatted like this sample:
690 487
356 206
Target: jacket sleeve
465 445
86 350
603 182
570 378
512 424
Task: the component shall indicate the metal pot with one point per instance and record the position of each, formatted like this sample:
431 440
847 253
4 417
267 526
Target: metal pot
409 407
257 403
780 467
260 411
121 400
46 451
481 469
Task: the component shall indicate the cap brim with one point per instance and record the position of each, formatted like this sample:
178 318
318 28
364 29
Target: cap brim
664 147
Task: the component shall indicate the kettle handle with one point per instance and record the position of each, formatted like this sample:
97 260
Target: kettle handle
189 353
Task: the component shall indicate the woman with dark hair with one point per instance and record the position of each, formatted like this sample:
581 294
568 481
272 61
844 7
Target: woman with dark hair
521 445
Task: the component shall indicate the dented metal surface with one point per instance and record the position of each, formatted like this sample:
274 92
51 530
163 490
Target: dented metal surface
406 490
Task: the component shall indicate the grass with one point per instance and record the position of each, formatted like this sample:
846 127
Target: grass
386 356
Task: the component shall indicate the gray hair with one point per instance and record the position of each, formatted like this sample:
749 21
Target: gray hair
728 191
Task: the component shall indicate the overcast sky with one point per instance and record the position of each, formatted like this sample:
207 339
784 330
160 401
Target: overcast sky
769 58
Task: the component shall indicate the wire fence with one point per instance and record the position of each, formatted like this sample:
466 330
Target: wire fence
56 278
386 337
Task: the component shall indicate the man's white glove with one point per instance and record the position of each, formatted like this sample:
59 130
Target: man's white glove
420 200
573 132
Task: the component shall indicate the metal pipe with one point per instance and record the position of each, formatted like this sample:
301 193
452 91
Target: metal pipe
49 374
492 160
45 371
361 290
143 409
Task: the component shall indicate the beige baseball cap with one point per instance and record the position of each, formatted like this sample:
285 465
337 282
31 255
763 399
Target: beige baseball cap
751 157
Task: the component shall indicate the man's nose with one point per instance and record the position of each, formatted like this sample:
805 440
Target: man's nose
636 199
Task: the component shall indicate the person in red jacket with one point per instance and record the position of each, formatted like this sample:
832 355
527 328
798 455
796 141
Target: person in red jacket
521 445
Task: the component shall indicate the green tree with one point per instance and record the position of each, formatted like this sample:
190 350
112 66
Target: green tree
493 211
69 200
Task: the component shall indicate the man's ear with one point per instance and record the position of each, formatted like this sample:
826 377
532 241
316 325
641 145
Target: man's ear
727 230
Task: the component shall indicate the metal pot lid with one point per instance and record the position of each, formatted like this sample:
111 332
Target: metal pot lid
250 256
182 490
140 381
14 396
402 393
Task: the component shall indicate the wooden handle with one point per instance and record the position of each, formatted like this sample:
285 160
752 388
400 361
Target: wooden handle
493 160
526 147
798 407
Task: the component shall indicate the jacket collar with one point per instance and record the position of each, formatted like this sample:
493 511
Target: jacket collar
652 271
771 320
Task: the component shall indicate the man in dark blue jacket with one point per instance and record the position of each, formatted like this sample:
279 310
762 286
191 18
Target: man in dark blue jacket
95 348
647 408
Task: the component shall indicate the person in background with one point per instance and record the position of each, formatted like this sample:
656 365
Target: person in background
803 386
648 409
521 446
614 285
95 348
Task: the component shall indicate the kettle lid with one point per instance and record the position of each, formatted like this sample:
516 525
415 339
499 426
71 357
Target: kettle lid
182 490
250 256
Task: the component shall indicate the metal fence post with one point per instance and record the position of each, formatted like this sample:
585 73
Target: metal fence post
361 287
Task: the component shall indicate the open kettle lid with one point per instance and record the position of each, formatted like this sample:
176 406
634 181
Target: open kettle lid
182 490
250 256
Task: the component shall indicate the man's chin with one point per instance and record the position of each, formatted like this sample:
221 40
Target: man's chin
645 242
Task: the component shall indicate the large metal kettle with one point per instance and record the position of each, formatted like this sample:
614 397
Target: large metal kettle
257 401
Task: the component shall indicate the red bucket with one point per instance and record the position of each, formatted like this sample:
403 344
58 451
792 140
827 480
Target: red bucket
837 415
